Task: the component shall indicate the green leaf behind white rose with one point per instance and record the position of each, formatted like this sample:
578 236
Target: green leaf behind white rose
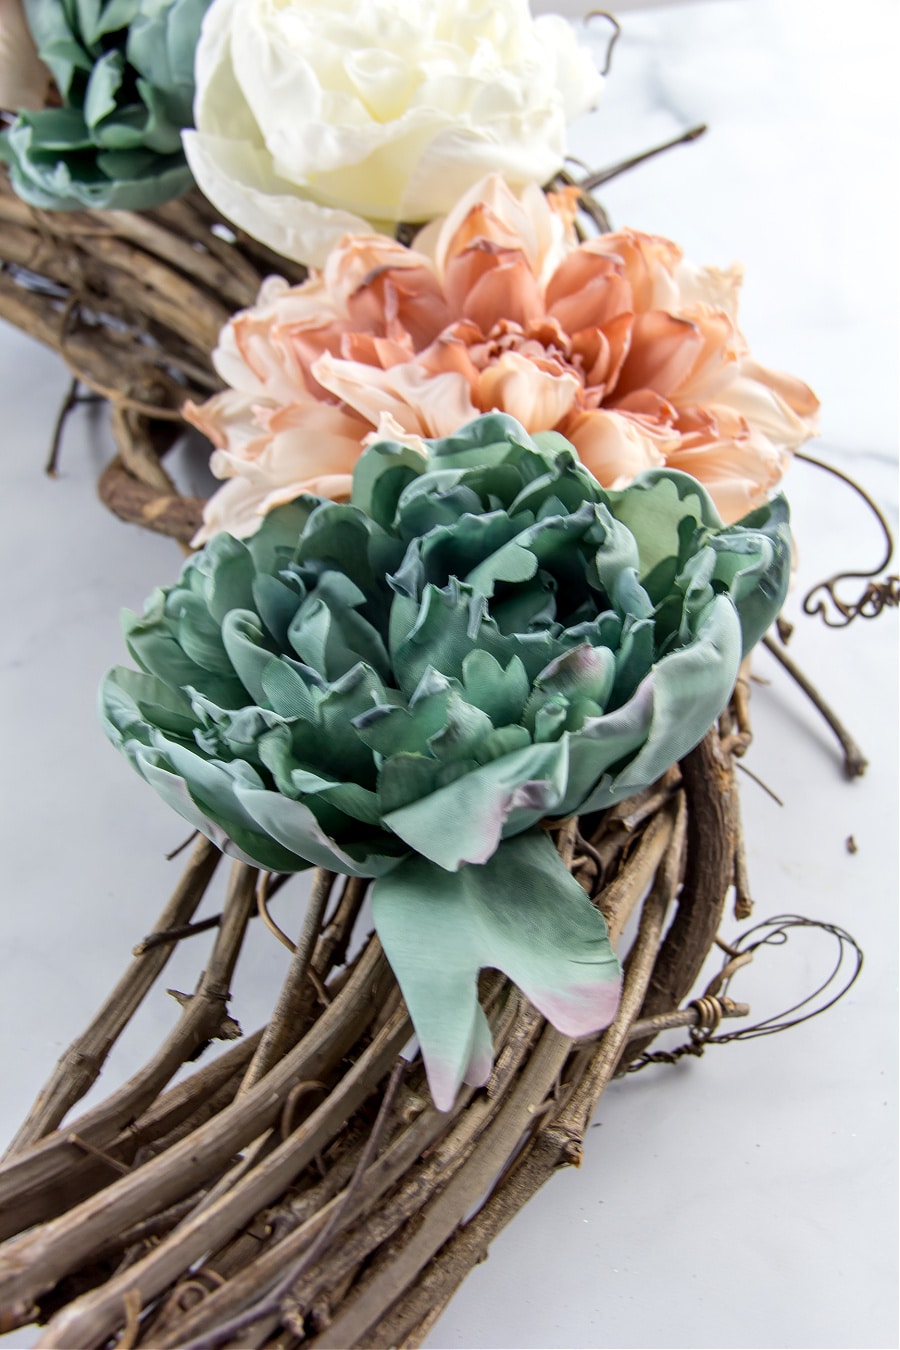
125 73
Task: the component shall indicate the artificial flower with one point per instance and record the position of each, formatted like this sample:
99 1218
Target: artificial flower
406 685
316 118
619 343
24 79
124 71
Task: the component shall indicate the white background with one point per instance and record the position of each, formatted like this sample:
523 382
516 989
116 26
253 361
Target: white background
745 1200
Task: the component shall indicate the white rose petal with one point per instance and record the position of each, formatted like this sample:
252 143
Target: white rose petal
318 117
232 176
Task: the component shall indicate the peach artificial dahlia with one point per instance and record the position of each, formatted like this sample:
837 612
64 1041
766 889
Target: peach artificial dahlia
632 353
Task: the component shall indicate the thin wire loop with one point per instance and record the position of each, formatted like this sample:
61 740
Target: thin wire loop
769 933
775 933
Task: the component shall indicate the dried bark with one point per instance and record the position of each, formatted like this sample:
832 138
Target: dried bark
133 303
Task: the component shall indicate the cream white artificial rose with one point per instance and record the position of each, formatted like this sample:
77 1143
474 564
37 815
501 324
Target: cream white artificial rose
316 118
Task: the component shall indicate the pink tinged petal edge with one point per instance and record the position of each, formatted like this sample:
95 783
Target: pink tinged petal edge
579 1009
489 804
443 1082
481 1060
537 794
446 1075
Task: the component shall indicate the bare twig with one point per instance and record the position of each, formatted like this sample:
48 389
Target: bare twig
855 762
273 1299
601 176
35 1262
286 1024
81 1064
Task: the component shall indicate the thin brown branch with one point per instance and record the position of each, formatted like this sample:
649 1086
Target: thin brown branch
35 1262
855 762
81 1063
167 937
32 1177
272 1301
286 1023
601 176
712 827
262 906
770 792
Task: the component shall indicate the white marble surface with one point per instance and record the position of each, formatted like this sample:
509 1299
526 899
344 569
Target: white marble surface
745 1200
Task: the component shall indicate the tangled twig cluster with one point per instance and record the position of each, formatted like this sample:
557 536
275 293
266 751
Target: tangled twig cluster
264 1154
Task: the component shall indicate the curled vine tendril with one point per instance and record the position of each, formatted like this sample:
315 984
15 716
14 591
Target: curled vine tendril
773 932
879 593
614 37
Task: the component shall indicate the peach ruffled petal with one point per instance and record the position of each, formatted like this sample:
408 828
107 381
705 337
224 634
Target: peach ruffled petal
649 263
336 486
614 447
762 409
488 211
536 398
720 349
374 351
235 507
661 354
649 406
618 342
425 404
691 285
465 270
599 301
791 393
360 257
389 429
611 357
390 290
738 474
507 292
230 420
307 445
453 352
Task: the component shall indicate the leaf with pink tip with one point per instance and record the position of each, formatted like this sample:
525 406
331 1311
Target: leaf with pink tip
521 912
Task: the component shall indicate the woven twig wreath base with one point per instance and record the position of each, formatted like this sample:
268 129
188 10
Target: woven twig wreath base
164 1214
133 303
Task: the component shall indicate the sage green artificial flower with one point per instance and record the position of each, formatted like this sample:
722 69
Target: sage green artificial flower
125 73
404 687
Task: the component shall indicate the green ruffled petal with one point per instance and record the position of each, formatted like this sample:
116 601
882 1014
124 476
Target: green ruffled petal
124 69
463 821
676 704
293 825
408 694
